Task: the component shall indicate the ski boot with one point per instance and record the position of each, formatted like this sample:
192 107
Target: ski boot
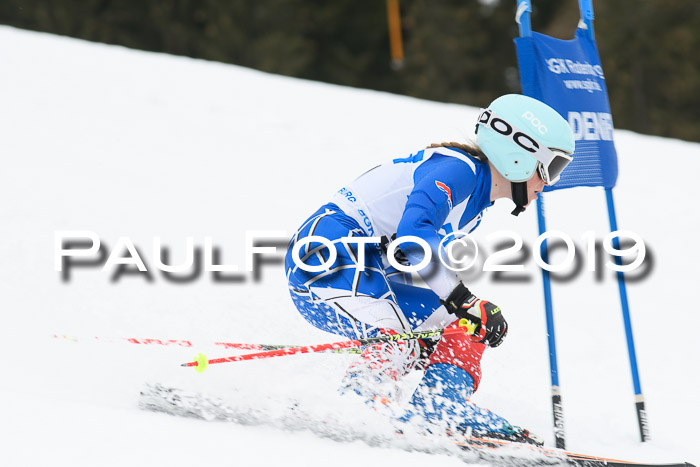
441 405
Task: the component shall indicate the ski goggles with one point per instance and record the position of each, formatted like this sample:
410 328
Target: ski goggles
551 162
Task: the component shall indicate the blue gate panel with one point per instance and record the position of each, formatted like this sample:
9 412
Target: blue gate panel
568 76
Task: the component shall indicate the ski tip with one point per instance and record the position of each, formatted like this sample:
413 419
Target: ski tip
201 362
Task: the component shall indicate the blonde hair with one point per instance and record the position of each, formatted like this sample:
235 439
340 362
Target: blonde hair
470 148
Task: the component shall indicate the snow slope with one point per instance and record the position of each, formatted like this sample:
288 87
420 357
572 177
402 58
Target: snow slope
133 144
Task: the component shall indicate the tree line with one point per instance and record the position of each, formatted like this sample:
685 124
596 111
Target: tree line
455 50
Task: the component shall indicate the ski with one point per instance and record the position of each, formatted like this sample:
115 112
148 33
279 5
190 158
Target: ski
499 449
292 416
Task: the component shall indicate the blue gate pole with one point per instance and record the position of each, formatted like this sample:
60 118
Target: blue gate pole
557 409
638 396
586 8
523 19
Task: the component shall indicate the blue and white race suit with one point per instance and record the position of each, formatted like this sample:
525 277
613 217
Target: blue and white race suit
428 195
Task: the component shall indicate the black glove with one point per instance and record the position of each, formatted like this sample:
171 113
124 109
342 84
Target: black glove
484 319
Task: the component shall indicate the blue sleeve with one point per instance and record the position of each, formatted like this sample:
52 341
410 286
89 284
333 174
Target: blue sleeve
439 184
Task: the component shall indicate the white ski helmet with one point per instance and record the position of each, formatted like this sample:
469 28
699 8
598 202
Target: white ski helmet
520 135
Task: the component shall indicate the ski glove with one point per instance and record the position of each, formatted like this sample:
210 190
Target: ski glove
483 319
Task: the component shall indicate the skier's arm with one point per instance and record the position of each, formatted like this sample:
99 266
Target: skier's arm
444 184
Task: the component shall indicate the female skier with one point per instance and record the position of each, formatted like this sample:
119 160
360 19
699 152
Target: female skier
522 145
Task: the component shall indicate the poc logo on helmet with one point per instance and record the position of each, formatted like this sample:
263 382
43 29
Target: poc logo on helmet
506 129
530 117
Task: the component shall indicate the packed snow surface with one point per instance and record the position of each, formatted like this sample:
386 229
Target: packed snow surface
131 144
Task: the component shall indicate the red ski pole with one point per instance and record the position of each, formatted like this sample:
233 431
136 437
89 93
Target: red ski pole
201 362
180 343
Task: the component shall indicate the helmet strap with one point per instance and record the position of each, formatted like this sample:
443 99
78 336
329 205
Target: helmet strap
519 195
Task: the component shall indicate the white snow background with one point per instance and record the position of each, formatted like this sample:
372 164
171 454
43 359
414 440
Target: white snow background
133 144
